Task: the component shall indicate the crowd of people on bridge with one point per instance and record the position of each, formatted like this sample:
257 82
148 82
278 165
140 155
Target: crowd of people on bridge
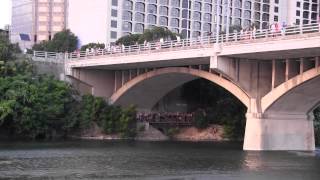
165 117
275 29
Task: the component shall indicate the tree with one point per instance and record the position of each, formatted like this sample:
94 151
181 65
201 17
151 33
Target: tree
92 45
129 39
64 41
149 35
7 49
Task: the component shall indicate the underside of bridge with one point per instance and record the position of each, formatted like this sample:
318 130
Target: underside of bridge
279 94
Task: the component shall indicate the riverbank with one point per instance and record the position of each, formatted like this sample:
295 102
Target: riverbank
150 133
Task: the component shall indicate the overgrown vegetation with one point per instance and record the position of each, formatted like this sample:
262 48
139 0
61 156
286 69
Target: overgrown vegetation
40 107
149 35
64 41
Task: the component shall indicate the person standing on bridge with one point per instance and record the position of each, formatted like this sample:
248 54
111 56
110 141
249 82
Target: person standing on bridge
254 31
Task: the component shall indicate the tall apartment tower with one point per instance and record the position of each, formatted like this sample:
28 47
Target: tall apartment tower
39 19
104 21
193 18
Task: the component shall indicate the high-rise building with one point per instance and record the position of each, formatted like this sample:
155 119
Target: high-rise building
104 21
37 19
193 18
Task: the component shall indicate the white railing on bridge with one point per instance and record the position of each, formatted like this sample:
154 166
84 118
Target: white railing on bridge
242 36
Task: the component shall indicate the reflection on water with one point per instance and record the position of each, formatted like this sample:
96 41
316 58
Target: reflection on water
156 160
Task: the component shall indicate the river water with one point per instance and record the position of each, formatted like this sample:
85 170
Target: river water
152 160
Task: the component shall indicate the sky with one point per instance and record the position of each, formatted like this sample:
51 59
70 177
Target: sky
5 13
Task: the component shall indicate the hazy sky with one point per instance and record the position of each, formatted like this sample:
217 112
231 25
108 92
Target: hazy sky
5 12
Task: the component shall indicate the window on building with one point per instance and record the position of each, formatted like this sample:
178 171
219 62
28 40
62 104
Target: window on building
247 14
237 12
152 9
139 28
197 25
128 5
298 4
175 12
114 2
127 26
197 6
185 4
174 22
207 27
152 1
305 21
257 6
114 13
139 17
151 19
114 24
139 7
163 10
175 3
185 13
197 16
305 14
113 34
276 18
297 13
207 17
257 16
238 3
314 7
196 34
276 1
265 17
185 23
247 5
265 8
164 2
276 9
184 33
207 7
306 6
127 15
163 21
297 21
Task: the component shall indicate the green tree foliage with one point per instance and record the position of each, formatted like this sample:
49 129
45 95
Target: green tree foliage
129 39
200 119
33 107
64 41
149 35
7 50
92 45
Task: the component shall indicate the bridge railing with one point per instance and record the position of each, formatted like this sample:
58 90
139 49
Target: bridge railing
239 37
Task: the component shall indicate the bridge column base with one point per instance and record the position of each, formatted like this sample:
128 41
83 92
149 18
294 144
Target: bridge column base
279 132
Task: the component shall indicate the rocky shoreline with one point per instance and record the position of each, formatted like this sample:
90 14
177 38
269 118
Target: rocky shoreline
212 133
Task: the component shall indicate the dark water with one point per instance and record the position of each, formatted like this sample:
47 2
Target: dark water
157 160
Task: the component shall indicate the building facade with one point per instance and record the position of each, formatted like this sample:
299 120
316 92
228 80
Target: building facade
39 19
104 21
193 18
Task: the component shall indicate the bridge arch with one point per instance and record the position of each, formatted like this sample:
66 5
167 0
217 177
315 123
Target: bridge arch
300 94
148 88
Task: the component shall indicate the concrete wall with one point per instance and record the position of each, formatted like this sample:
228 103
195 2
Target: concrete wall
54 69
102 81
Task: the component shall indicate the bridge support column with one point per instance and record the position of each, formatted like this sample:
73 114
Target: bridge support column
278 131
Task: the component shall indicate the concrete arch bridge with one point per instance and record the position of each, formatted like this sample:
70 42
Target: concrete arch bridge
277 78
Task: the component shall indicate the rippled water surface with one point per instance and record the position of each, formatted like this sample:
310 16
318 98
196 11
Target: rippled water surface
152 160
